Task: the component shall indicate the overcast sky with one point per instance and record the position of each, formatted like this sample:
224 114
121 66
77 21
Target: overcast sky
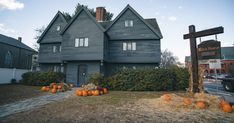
22 17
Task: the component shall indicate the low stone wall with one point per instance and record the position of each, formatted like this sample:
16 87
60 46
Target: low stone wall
6 74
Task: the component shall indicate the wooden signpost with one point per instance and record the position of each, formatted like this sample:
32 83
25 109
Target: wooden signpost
192 35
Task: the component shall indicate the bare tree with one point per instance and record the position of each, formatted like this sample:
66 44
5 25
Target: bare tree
167 59
39 31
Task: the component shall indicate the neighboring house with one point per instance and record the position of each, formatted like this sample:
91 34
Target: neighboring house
85 45
14 56
227 62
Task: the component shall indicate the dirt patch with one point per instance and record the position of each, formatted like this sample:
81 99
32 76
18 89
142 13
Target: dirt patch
118 107
13 93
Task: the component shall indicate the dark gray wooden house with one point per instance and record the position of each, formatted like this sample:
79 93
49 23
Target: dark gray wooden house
14 53
85 45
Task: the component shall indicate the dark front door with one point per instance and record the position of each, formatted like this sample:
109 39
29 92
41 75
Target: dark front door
82 75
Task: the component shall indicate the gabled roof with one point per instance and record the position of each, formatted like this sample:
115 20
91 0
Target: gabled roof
156 31
14 42
77 14
59 14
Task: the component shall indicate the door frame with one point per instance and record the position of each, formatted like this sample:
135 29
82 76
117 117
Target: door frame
78 73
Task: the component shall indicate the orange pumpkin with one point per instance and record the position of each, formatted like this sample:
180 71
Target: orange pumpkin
227 108
201 104
85 93
47 88
167 97
222 103
79 92
233 107
55 86
89 93
43 88
53 90
96 93
105 90
187 101
93 91
59 87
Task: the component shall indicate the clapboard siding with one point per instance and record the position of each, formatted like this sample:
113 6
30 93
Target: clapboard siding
138 31
72 70
147 51
46 54
52 35
21 58
83 26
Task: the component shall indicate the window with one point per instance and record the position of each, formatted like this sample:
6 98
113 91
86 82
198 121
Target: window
54 49
8 59
56 68
129 46
58 28
81 42
60 48
128 23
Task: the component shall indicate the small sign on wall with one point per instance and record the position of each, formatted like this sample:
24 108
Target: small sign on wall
215 64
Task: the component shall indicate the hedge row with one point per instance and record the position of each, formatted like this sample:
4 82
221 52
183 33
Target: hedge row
42 78
145 80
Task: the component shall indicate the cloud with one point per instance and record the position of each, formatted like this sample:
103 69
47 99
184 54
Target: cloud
172 18
180 7
8 31
157 13
11 4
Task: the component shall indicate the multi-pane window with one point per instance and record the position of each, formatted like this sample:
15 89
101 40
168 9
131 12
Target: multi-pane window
129 46
60 48
128 23
81 42
58 28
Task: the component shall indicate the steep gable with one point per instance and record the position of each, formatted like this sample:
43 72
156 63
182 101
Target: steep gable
83 25
141 29
51 35
77 15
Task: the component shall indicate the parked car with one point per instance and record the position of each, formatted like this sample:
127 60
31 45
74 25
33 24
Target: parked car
228 84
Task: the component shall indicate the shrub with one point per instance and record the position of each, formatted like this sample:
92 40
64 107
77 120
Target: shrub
42 78
145 79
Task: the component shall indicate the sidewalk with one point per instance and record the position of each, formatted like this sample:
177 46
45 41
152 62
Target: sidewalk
28 104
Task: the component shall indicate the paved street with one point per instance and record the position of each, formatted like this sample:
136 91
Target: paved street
213 87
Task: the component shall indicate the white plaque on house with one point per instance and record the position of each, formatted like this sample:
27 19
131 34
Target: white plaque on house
215 64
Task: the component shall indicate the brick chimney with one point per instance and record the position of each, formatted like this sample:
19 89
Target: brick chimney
20 39
100 14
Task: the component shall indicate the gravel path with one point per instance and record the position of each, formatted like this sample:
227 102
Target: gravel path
31 103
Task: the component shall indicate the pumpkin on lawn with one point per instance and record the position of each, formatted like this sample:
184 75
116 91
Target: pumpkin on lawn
53 90
227 108
79 92
85 93
43 88
201 104
90 93
96 93
187 101
233 107
55 86
167 97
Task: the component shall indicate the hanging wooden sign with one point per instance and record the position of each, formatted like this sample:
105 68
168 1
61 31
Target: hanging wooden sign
209 50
